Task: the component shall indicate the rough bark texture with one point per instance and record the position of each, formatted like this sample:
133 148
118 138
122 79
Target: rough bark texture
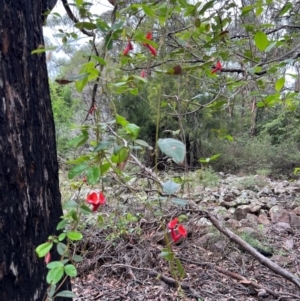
29 190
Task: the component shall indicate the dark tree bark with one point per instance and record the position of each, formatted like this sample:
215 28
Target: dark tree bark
29 190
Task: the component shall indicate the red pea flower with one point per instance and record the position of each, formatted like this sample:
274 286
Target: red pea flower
151 48
143 74
47 258
172 224
217 68
180 228
128 48
95 198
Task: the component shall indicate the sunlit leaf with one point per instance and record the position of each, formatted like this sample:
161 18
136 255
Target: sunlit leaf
261 40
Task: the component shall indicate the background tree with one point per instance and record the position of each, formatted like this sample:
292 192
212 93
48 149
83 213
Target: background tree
29 188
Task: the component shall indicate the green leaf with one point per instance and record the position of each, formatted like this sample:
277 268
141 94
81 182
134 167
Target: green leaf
85 209
120 156
70 205
121 120
43 49
43 249
52 290
180 269
178 201
70 270
62 236
77 170
297 171
133 130
143 143
148 10
61 224
104 144
212 158
66 294
54 264
79 140
104 167
117 25
61 248
99 59
261 40
77 258
170 187
172 148
85 25
287 6
93 175
80 84
167 254
279 84
206 6
55 275
74 235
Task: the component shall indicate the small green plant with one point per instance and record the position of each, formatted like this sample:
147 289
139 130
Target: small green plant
207 177
264 172
251 182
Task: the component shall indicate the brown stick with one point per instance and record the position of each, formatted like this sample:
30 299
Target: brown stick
246 281
262 259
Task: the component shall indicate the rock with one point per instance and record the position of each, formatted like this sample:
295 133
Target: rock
233 224
263 219
255 209
297 210
294 220
204 240
279 214
248 223
282 227
203 222
221 211
240 213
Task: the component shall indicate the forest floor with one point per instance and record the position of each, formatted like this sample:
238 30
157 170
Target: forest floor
124 262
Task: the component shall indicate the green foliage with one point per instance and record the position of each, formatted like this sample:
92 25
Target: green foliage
64 108
207 177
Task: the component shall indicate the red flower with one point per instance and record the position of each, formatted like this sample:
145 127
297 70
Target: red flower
95 198
172 224
47 258
149 36
128 48
143 74
217 68
151 48
181 230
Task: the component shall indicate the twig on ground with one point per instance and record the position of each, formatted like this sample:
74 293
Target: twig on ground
262 259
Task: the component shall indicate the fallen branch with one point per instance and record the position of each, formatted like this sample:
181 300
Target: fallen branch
244 280
262 259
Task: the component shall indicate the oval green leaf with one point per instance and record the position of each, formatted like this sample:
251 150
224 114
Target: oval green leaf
43 249
261 40
74 235
172 148
70 270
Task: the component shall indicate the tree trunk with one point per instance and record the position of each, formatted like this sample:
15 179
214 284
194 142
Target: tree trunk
29 187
